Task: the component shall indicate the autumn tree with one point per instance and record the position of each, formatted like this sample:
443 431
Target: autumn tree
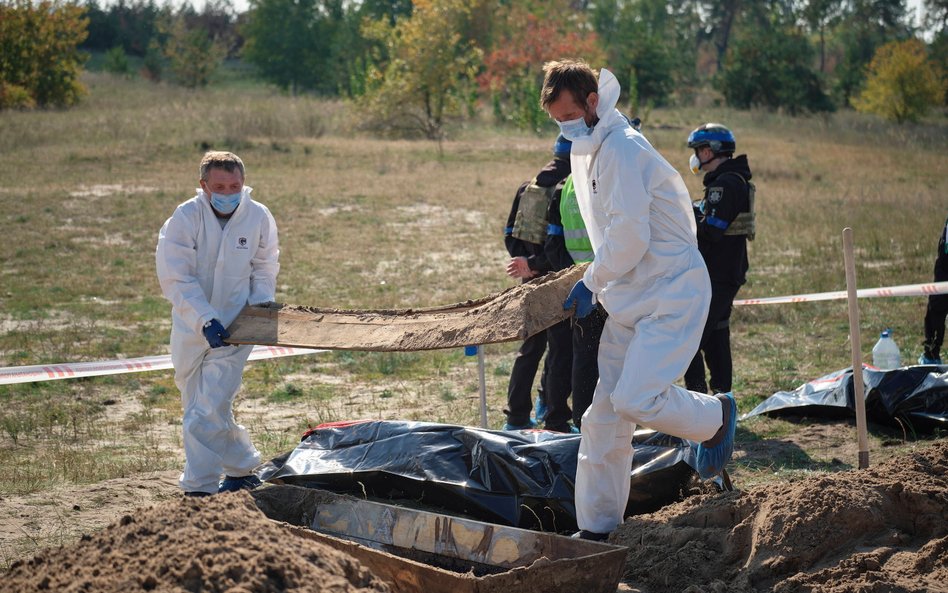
428 72
936 21
866 25
526 38
902 83
39 60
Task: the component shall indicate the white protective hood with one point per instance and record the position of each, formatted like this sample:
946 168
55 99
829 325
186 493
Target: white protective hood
635 205
606 111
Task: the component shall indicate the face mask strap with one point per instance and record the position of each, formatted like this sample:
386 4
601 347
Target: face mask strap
700 162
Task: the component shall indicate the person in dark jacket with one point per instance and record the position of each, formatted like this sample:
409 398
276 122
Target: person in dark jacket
726 221
524 237
567 243
937 307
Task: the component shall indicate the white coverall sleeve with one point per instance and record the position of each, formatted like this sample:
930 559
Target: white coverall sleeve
176 262
626 203
265 263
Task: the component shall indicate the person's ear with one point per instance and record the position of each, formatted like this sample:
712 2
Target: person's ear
593 101
204 186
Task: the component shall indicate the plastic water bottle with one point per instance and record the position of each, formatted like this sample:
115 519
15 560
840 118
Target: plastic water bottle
885 354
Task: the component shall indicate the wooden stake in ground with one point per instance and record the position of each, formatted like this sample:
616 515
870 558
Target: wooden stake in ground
859 398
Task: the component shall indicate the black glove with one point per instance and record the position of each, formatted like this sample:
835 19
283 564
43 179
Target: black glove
215 333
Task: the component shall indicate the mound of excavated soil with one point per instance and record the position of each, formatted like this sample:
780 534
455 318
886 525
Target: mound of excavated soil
879 530
210 545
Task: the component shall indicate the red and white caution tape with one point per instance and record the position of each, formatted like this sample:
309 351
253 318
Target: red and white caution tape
75 370
906 290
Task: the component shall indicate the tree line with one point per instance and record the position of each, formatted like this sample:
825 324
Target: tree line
415 64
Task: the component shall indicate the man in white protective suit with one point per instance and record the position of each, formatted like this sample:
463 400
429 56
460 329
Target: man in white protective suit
217 253
650 277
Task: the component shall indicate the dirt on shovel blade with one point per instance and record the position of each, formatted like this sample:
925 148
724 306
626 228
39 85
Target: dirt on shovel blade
513 314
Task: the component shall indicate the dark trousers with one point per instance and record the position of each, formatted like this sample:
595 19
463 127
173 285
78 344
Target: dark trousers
937 310
555 382
586 334
715 344
558 374
520 387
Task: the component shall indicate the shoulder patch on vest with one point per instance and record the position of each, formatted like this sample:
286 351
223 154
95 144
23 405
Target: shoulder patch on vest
715 194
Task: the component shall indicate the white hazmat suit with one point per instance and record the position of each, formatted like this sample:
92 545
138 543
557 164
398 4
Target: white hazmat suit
650 277
209 272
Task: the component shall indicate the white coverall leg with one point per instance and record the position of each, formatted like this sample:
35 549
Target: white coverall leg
638 365
214 443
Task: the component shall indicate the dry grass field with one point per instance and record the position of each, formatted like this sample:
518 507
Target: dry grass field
368 223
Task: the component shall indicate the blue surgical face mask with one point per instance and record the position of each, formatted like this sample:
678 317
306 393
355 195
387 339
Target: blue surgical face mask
226 203
574 129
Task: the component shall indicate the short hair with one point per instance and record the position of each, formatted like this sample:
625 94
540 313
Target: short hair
219 159
574 76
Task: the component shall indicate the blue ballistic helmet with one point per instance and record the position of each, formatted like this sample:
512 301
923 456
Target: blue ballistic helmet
715 136
562 147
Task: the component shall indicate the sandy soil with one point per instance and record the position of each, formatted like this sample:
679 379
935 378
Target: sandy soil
60 515
883 529
223 543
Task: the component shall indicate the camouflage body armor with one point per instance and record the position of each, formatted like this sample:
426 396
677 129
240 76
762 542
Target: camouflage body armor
746 222
531 221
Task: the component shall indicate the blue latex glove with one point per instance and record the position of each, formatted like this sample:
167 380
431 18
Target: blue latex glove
582 298
215 333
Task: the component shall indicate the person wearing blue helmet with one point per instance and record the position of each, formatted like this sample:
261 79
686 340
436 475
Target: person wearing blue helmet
524 237
725 218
